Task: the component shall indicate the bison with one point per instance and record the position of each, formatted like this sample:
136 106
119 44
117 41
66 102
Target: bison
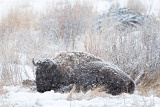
82 70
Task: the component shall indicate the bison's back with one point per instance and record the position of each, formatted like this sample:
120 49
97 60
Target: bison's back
69 61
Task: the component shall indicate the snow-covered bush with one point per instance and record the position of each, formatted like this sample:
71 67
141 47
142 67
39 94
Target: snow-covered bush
122 19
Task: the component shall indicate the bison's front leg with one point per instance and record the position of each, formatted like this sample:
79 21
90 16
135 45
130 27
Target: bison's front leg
64 89
87 81
43 86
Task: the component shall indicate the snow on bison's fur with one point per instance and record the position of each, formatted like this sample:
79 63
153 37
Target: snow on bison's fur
83 71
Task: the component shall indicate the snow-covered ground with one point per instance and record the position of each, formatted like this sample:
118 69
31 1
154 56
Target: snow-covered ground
18 96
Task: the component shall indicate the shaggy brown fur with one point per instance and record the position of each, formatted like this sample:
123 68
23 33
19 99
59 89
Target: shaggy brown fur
82 69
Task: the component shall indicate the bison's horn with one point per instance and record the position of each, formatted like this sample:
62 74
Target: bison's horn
35 64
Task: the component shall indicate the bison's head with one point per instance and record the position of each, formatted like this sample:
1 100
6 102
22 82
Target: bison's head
46 65
47 76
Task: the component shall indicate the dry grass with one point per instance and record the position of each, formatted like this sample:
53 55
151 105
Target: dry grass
2 91
149 83
14 42
17 19
96 92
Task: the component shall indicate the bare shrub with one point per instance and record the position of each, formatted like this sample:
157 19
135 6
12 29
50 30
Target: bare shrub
65 24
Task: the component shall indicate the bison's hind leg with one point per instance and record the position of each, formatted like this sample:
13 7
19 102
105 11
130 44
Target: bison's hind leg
116 91
131 87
